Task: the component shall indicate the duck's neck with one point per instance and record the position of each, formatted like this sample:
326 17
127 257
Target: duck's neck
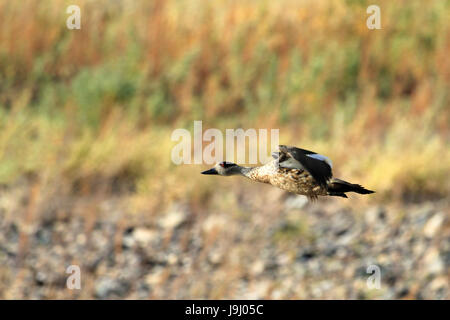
242 171
245 171
253 173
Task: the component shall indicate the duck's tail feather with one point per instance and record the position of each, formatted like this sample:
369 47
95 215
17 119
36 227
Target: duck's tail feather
337 194
337 187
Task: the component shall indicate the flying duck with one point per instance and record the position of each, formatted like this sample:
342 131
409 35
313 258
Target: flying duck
295 170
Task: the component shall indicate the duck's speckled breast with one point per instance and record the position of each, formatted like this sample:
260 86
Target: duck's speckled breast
297 181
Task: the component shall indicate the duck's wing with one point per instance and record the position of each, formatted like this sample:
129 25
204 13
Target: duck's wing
317 165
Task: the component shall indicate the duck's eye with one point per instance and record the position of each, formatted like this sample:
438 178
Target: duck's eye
222 164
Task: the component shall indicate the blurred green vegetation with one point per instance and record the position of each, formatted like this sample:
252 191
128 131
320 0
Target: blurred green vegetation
101 102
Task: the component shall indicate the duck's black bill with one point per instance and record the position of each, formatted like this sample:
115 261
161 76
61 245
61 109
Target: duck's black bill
210 171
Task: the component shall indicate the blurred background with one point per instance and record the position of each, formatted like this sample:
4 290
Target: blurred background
86 176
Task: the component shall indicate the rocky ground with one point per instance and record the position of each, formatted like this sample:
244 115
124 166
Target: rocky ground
280 247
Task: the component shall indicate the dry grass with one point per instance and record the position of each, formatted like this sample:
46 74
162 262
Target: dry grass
100 103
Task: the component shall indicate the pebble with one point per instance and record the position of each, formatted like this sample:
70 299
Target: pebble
172 219
296 202
107 288
144 236
433 262
433 225
257 267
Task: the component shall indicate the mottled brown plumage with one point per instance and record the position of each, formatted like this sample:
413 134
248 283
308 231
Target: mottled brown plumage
294 170
297 181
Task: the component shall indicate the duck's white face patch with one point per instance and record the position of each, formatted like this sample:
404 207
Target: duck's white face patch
321 158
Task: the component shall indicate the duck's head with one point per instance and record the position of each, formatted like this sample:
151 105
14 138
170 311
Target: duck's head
224 168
